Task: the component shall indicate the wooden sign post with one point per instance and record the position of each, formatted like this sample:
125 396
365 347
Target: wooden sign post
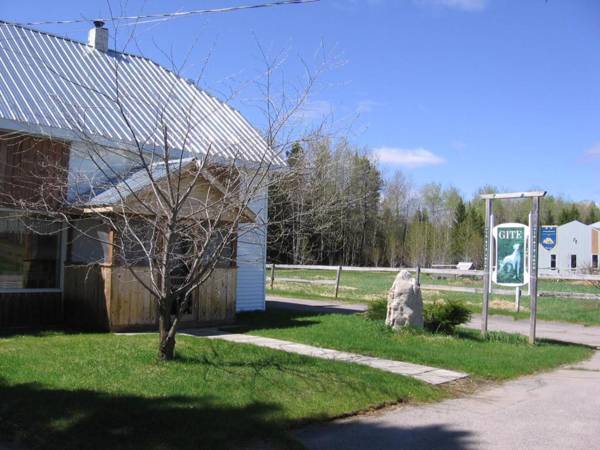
487 264
491 265
534 236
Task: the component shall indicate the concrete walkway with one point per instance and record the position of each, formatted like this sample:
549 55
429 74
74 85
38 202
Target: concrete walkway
560 331
430 375
557 410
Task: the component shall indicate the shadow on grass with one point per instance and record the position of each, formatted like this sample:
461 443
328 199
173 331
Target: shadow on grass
36 417
273 318
43 332
325 308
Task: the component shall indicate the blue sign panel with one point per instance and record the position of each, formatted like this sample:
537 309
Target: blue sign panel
548 237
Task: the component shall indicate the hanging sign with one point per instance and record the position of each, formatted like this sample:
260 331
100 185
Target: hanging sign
548 237
510 268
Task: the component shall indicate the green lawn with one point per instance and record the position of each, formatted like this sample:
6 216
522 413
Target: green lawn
367 286
501 356
586 312
354 286
101 391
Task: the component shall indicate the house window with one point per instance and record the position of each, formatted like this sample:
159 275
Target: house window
594 261
573 261
29 253
553 262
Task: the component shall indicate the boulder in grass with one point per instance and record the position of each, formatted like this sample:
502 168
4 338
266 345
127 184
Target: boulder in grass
405 304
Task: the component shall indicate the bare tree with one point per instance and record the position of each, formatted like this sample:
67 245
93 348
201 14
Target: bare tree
168 210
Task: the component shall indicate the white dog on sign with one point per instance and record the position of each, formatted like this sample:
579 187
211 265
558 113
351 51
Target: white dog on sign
511 264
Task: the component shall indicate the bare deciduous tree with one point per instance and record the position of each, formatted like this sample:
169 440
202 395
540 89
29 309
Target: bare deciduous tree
168 210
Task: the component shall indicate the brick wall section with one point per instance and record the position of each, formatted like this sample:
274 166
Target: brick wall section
33 170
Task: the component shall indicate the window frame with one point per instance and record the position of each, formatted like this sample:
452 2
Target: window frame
62 247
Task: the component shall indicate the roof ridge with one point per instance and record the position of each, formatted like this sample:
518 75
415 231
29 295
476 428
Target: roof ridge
133 55
65 38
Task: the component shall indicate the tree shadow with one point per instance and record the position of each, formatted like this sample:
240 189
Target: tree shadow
34 416
355 434
318 309
45 331
272 318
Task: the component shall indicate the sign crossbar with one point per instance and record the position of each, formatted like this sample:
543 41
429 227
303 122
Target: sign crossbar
509 195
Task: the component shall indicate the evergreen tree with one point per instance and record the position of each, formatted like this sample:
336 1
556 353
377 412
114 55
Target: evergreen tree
548 217
568 214
457 233
593 214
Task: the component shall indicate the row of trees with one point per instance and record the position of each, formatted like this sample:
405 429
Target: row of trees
384 222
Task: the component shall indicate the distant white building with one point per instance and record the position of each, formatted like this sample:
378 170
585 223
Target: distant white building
568 248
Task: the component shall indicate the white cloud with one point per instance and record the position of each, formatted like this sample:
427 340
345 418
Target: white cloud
593 152
463 5
407 157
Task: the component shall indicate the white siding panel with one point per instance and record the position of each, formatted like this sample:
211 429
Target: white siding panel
573 238
251 259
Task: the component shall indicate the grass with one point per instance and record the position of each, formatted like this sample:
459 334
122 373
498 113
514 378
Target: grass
585 312
368 286
354 286
500 356
91 391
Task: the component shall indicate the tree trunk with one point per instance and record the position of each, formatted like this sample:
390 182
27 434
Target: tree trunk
166 346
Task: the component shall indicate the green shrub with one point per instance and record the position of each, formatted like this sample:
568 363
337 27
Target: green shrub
377 310
439 317
444 317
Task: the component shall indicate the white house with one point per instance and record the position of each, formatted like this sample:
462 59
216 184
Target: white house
572 247
61 93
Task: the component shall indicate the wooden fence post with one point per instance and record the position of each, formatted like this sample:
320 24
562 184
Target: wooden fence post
487 264
418 275
534 230
272 274
517 299
337 280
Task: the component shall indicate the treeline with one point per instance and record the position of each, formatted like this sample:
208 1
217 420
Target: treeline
337 208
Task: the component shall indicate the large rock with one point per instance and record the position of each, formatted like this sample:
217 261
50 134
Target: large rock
405 304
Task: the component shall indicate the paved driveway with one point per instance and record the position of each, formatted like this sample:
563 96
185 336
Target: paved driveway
556 410
560 331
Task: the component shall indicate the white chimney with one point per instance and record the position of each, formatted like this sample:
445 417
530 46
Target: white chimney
98 36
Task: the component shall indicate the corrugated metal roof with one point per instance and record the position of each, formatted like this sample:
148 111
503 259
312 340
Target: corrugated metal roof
135 182
53 82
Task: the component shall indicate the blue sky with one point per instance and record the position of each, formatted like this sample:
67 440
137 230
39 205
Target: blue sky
462 92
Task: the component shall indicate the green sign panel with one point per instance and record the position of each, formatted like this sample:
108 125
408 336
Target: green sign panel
511 250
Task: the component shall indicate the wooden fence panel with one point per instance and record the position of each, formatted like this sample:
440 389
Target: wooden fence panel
86 295
31 309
